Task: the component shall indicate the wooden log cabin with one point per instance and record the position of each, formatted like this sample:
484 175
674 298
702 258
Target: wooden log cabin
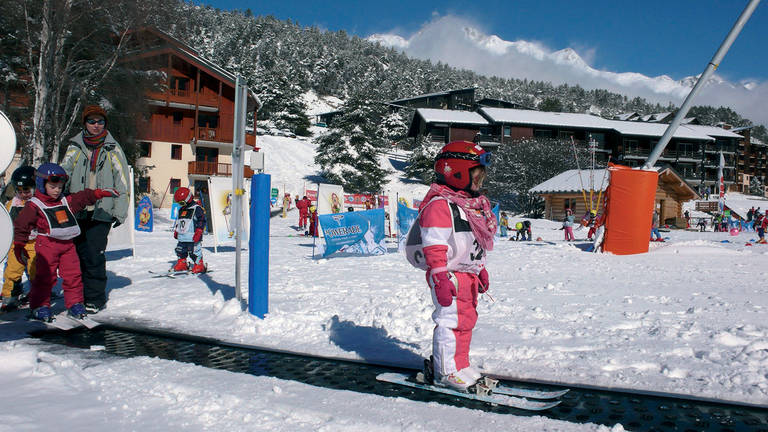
188 134
565 191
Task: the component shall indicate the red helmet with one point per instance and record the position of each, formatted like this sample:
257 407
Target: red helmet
182 196
454 161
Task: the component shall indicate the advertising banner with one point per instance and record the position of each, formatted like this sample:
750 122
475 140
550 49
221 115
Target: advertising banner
311 195
144 219
220 192
121 237
354 232
405 218
329 198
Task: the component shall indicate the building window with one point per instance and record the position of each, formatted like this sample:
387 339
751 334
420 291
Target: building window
631 146
569 203
565 135
145 149
507 131
178 116
175 184
543 133
144 185
176 151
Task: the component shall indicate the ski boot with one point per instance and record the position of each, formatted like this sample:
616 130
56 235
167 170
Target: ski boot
43 313
9 304
93 308
77 311
181 265
200 267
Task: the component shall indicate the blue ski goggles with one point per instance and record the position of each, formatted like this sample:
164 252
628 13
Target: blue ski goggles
483 159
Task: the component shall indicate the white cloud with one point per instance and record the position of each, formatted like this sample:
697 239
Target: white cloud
458 42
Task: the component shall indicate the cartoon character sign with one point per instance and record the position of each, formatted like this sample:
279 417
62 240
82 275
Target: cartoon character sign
335 203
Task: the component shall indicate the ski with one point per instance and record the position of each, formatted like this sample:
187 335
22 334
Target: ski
528 393
61 322
174 274
495 399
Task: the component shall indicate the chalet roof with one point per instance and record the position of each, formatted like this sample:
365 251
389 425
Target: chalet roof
433 115
739 129
655 117
442 93
627 116
715 131
571 181
587 121
191 55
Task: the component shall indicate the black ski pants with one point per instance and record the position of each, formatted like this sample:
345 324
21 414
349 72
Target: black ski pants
91 244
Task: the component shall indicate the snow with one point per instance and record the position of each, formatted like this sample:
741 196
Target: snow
434 115
687 318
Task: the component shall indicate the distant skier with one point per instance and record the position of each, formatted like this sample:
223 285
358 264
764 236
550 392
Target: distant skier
702 225
23 183
52 215
761 222
303 206
503 223
568 225
457 228
188 230
655 227
313 222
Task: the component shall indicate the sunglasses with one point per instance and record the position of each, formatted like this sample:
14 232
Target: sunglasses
483 159
94 121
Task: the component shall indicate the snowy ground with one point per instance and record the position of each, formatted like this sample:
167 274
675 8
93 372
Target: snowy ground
687 318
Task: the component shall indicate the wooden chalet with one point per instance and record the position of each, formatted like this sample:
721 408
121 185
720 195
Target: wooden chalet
188 135
565 191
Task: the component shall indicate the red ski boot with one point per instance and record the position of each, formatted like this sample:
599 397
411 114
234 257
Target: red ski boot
200 267
181 265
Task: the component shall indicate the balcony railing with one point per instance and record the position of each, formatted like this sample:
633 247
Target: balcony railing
208 134
214 168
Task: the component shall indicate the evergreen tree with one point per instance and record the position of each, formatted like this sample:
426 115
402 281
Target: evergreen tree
421 163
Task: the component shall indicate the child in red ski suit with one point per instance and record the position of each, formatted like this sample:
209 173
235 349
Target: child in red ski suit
303 206
53 216
457 228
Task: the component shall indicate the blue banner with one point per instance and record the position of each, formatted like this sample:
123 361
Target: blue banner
175 211
405 218
144 218
360 232
497 211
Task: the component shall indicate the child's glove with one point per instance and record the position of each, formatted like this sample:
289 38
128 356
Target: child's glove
175 235
445 290
484 284
21 253
198 235
105 193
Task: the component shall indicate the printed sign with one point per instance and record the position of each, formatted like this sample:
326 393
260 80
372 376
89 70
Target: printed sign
405 218
311 195
354 232
144 219
175 210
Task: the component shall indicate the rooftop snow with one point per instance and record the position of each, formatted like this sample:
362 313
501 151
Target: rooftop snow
586 121
572 181
433 115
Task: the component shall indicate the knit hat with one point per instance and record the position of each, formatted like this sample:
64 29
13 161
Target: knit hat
93 110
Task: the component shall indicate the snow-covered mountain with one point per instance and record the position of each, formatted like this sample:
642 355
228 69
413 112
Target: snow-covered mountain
492 55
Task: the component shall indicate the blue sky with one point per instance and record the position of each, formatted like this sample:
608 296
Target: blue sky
676 38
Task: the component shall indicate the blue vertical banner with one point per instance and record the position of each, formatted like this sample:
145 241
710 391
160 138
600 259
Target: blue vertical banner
258 246
405 218
144 218
497 211
360 232
175 210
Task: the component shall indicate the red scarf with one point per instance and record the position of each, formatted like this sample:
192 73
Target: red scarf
94 142
478 211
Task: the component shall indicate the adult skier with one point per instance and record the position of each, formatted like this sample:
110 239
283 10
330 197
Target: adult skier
457 228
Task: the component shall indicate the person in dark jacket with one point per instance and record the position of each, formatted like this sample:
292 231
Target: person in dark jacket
94 159
52 215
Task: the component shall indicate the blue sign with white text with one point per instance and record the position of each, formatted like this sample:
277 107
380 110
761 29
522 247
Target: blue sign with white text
144 218
360 232
406 216
175 211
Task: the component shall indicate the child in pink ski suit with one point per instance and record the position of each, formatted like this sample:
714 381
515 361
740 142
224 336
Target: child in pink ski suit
457 228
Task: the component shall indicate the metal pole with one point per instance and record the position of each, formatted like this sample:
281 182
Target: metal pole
238 153
708 71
